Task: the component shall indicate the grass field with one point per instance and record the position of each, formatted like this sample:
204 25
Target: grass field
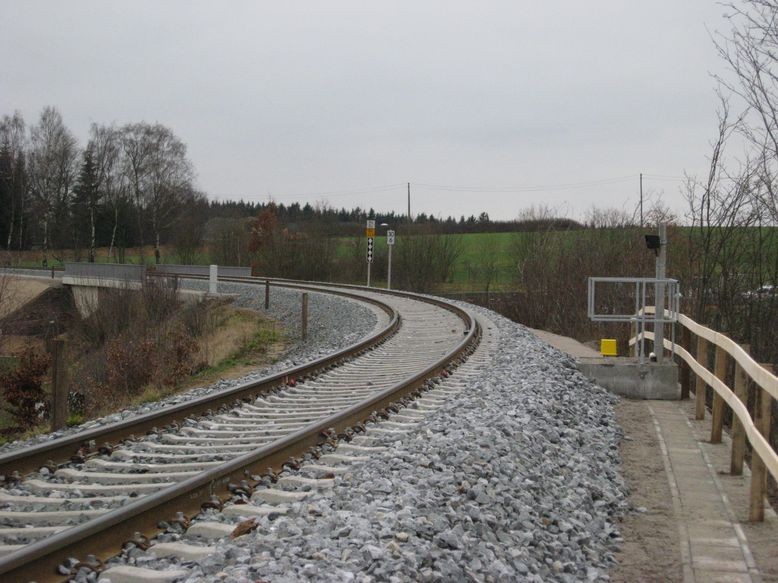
475 249
479 253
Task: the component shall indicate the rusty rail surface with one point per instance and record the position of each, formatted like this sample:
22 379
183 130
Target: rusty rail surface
104 536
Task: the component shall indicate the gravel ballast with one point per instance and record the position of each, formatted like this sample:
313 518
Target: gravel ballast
516 478
334 323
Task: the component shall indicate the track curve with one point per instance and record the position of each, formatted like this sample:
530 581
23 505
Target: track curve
96 504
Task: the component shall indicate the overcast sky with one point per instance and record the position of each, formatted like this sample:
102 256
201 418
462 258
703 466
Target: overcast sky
296 99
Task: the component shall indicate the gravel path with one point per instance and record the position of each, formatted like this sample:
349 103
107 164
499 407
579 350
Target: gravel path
334 323
517 477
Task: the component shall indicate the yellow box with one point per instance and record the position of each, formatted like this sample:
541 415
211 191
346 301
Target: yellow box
608 347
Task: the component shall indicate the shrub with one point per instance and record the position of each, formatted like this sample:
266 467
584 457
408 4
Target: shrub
25 398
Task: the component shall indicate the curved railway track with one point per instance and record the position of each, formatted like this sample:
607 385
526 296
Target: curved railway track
215 446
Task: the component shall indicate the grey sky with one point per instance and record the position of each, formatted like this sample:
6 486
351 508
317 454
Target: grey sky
297 98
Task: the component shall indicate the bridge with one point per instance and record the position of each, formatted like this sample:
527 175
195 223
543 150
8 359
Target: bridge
86 279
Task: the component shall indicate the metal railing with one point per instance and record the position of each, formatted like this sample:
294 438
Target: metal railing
666 289
223 270
114 271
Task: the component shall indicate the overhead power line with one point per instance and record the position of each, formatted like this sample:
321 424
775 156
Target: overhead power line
533 188
283 196
310 195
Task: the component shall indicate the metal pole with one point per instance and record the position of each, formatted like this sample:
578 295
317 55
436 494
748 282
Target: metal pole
368 274
637 319
389 270
661 273
305 316
409 202
59 385
641 199
267 294
642 323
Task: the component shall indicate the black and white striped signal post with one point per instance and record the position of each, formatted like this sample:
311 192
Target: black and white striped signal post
370 232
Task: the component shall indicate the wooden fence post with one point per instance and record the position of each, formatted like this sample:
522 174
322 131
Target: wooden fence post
686 371
267 294
717 415
305 315
699 387
59 385
762 420
738 432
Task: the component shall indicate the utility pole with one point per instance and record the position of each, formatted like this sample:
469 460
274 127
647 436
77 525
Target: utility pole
409 202
641 199
661 274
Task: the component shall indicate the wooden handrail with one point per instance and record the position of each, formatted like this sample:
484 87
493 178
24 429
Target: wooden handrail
758 442
756 430
761 376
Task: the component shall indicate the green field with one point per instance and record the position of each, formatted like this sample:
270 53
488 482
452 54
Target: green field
468 271
482 257
477 249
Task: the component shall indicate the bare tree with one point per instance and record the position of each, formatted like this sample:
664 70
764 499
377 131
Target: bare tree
13 144
159 175
488 268
608 218
171 177
426 258
751 51
106 147
52 168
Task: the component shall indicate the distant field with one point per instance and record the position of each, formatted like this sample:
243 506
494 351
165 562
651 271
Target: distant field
476 248
469 273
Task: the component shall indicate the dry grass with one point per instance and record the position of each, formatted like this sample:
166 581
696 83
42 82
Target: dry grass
230 350
14 345
233 330
18 291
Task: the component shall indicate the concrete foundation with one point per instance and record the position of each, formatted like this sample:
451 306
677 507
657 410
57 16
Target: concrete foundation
629 378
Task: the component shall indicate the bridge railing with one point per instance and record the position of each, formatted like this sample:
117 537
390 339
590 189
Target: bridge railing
756 428
224 270
105 271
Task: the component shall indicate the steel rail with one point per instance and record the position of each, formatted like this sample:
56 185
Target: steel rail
60 450
102 536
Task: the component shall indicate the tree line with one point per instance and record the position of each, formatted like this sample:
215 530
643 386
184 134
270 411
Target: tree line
126 185
133 185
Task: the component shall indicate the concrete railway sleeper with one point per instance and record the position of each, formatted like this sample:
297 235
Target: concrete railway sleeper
234 448
283 493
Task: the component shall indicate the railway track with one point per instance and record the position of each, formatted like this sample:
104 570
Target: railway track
219 446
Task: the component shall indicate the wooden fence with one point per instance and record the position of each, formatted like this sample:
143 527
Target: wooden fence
756 428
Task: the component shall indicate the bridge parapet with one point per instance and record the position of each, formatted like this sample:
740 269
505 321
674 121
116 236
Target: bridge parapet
103 274
202 270
85 279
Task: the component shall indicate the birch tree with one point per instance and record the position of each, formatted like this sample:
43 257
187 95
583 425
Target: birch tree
159 175
52 169
105 145
13 175
170 181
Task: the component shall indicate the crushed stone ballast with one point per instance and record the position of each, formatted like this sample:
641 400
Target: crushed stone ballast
221 446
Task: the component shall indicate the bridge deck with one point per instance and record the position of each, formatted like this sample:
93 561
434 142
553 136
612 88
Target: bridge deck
694 521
